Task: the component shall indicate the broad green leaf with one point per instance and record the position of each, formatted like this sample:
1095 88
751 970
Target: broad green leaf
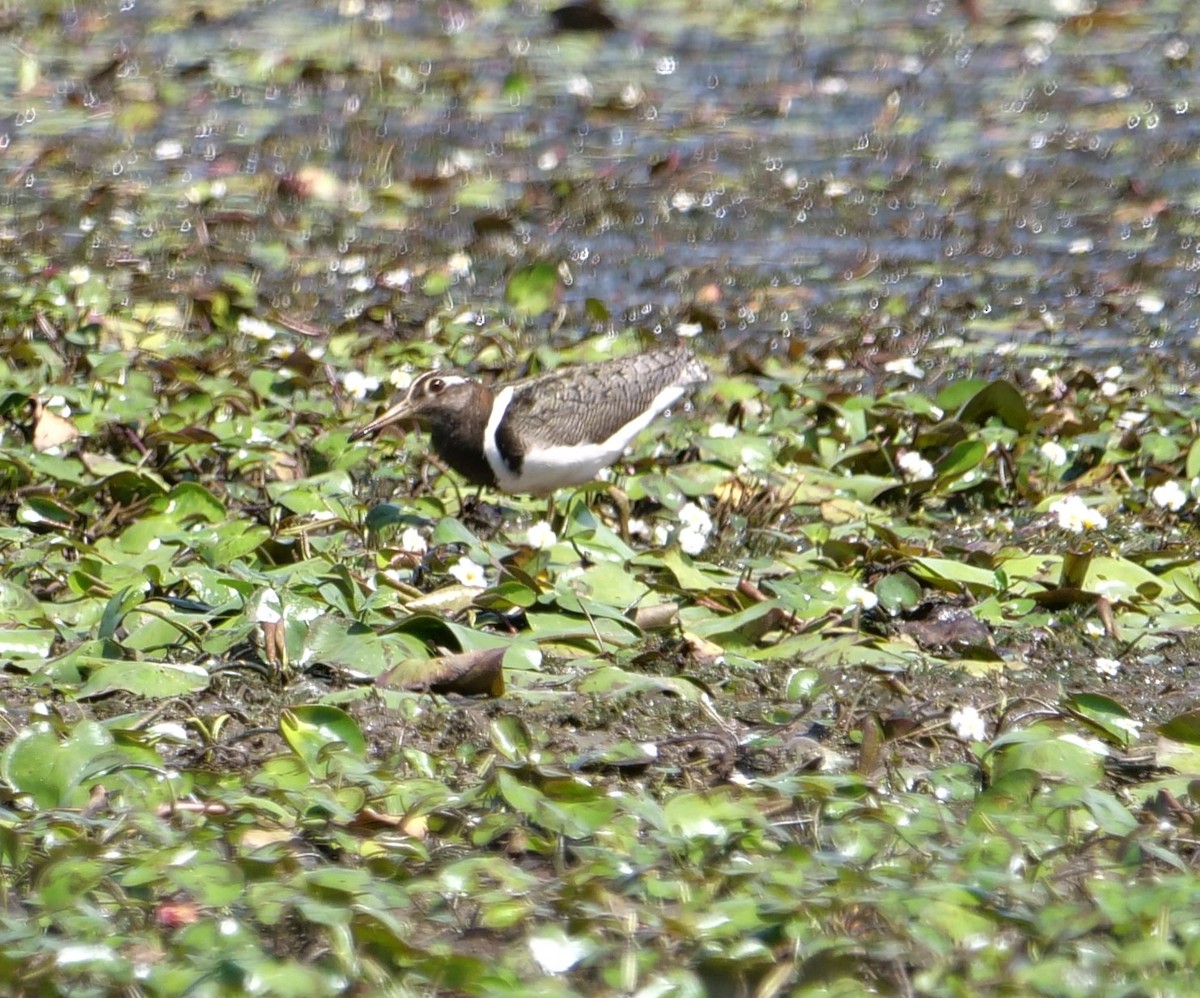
156 680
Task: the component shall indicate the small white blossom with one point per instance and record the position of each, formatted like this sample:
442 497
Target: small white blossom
1131 419
557 953
692 541
413 541
638 528
967 722
580 86
861 598
269 609
258 328
914 467
904 365
396 280
722 431
168 149
540 536
1054 453
691 515
1076 516
1041 378
469 574
1150 304
358 385
79 274
1107 666
684 201
1169 496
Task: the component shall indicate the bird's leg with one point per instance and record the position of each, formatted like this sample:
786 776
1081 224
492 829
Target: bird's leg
621 501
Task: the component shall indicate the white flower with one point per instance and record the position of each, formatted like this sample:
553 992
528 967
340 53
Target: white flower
904 365
967 722
358 385
914 467
269 609
540 536
413 541
469 574
579 86
1055 454
168 149
691 515
694 527
1108 666
861 598
79 274
638 528
556 952
1131 419
692 541
684 201
1076 516
1169 496
397 280
720 431
260 329
1150 304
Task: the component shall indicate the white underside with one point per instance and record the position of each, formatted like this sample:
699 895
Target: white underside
553 468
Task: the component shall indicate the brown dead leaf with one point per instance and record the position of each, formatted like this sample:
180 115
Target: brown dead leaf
50 429
413 825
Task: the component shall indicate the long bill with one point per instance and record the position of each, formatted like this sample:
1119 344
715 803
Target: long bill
402 410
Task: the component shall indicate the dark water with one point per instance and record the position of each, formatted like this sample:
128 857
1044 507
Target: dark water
878 176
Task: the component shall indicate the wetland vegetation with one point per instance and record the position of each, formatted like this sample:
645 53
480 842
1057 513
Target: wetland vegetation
869 671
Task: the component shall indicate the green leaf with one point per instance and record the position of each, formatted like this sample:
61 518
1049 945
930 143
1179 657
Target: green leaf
156 680
533 290
1001 399
312 728
897 592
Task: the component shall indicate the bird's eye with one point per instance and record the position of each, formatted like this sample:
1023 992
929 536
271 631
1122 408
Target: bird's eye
436 385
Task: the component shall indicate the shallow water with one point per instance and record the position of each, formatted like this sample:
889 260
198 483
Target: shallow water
870 175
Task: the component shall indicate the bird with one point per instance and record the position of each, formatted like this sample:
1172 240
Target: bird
547 432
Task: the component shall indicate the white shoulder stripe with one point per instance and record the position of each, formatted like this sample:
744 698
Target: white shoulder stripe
491 450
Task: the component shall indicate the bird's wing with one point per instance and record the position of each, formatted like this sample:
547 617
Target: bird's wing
589 404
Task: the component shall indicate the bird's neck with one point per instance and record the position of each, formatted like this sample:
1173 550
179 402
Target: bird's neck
458 437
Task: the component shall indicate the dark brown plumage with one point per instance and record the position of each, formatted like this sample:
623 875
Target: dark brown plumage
545 432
